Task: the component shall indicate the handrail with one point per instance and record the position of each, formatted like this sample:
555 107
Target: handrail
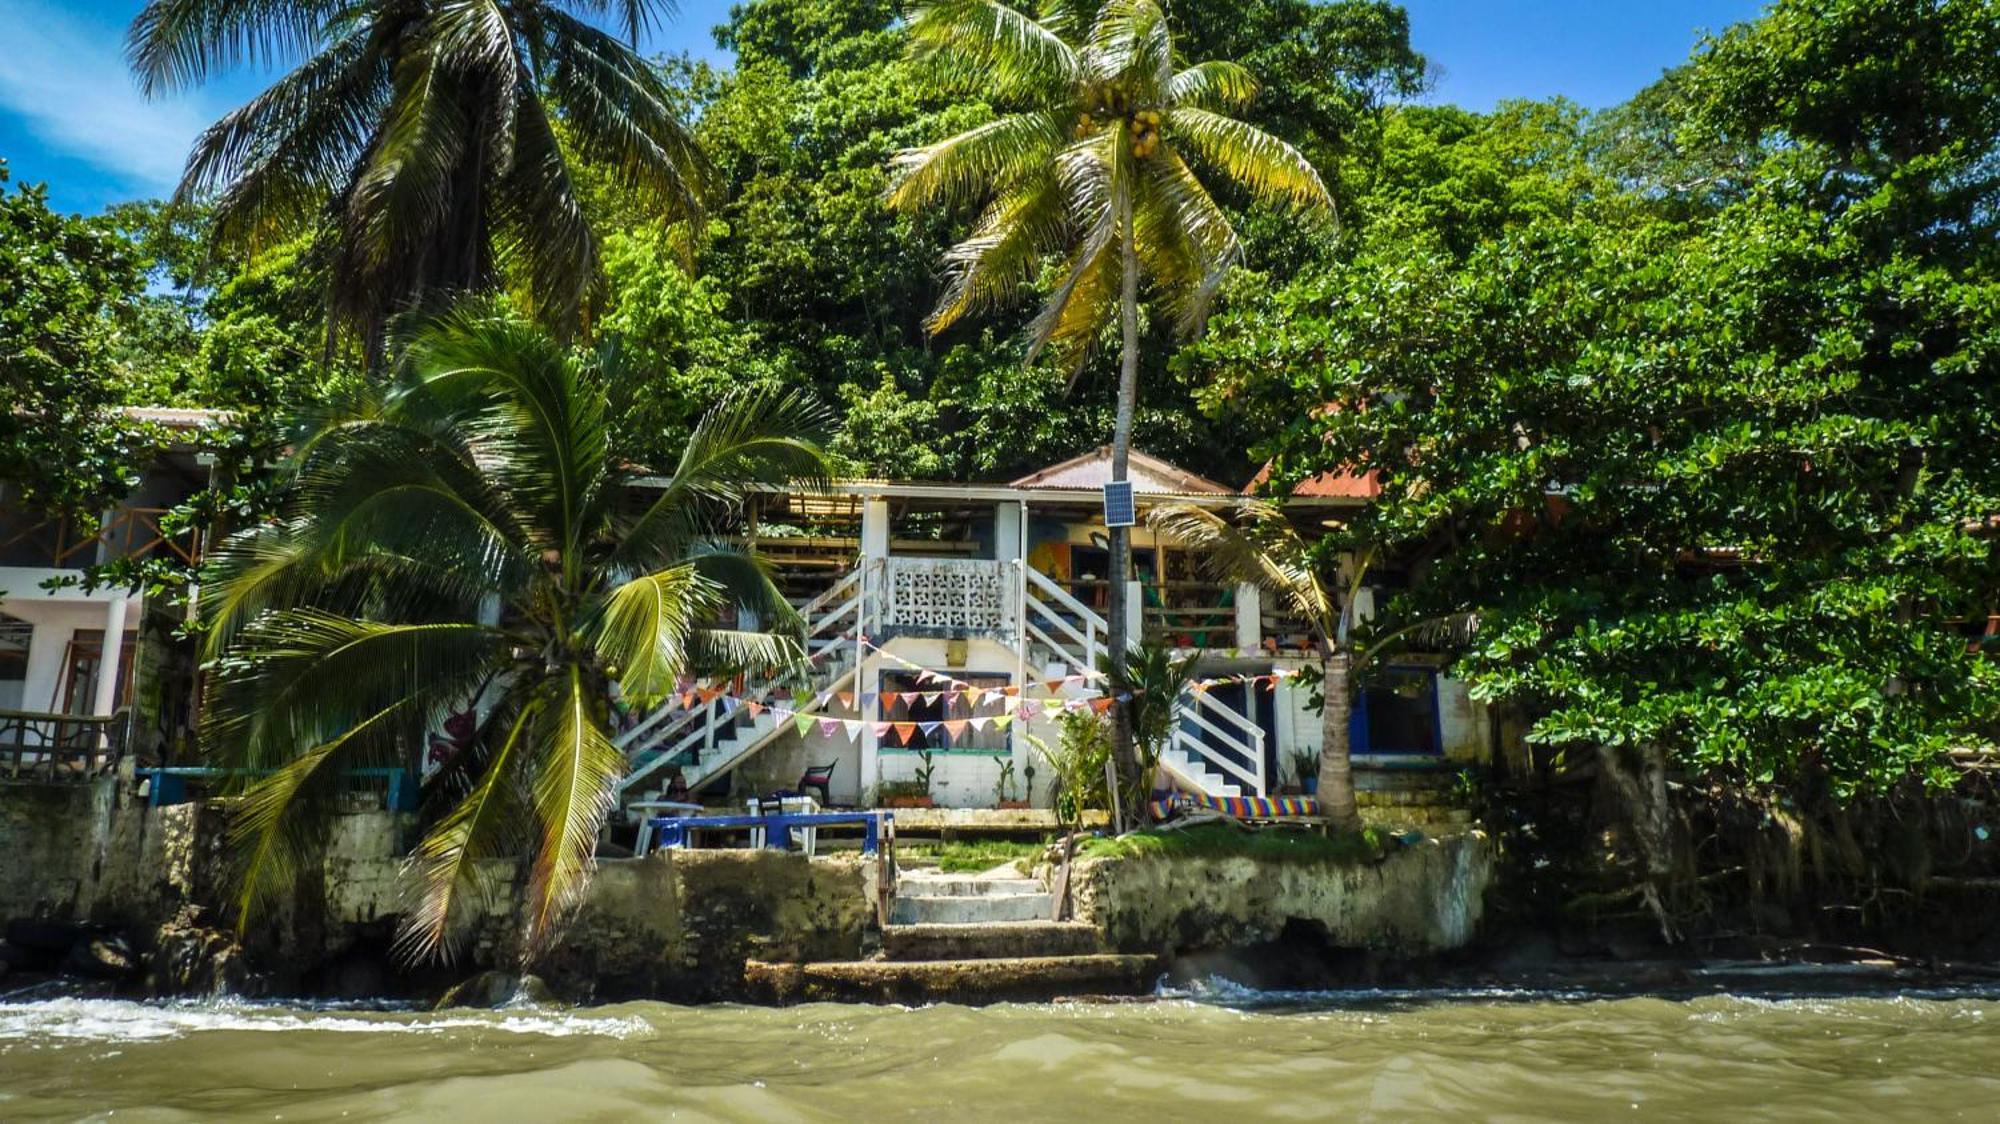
62 746
671 731
1248 738
1092 625
133 522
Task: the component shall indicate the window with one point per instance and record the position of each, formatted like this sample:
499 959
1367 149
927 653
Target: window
14 637
904 699
1399 712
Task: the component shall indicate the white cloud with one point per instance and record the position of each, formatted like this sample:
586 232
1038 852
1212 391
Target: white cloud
65 78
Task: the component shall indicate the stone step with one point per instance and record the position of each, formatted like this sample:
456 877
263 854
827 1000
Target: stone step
962 885
949 909
976 942
1017 979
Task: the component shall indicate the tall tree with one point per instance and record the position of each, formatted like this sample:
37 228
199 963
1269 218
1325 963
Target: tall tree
1092 164
1713 466
419 135
354 623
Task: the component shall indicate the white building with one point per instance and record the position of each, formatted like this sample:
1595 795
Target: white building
958 601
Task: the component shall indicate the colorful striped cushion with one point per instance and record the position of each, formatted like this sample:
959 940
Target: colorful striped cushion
1237 807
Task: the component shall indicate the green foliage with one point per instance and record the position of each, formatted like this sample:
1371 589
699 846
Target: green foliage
1224 840
417 141
1155 678
62 283
1082 749
353 623
1695 416
973 856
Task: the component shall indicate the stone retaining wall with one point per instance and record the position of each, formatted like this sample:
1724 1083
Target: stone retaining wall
1422 898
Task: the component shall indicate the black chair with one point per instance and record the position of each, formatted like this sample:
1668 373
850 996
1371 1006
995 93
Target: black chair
818 777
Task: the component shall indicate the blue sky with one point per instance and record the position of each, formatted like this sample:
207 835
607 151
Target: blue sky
70 114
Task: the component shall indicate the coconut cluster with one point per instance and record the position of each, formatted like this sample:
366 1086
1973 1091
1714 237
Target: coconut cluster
1144 129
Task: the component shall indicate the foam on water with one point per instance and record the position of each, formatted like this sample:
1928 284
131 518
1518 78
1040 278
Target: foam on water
109 1020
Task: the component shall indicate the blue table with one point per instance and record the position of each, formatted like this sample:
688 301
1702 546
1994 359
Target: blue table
671 831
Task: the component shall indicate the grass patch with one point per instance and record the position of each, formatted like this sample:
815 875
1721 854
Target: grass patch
973 855
1225 840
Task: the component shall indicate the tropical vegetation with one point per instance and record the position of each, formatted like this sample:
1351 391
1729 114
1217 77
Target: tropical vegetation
1688 400
458 541
1090 164
429 147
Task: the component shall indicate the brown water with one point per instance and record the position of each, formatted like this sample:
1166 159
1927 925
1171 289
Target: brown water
1236 1057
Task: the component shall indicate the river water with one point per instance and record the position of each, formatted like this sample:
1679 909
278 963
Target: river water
1228 1055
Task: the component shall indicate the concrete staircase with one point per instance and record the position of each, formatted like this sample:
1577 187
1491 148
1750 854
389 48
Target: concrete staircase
967 938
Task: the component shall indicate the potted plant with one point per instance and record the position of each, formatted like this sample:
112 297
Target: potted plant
1003 791
1305 766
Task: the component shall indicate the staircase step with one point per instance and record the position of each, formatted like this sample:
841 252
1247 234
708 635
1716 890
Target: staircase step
961 909
1019 979
924 884
996 941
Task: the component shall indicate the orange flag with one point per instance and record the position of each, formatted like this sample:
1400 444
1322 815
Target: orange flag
906 732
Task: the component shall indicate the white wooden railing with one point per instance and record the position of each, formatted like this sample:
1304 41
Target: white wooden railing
671 730
1240 755
1063 624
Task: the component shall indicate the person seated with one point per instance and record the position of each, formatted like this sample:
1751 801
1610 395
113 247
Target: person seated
677 786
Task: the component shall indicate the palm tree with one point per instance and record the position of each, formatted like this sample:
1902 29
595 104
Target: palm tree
1260 546
1091 163
421 135
467 534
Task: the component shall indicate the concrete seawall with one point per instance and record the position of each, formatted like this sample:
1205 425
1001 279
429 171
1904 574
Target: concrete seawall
676 925
1421 899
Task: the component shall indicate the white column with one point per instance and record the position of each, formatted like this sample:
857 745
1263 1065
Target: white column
110 656
874 528
1007 538
1249 616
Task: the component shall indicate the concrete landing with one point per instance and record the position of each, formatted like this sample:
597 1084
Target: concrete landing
1017 979
1010 939
965 909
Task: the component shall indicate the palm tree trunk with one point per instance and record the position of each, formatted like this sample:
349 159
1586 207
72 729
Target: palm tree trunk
1121 537
1336 762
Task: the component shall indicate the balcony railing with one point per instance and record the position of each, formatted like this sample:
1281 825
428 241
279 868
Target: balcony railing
946 596
59 747
131 532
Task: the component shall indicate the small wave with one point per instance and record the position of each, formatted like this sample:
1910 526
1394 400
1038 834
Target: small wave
111 1020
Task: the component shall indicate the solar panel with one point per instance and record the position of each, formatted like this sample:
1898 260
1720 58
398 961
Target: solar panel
1118 507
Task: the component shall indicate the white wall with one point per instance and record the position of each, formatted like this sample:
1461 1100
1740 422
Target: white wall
961 780
55 615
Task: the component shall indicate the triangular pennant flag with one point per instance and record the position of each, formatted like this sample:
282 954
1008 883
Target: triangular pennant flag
931 697
1010 689
955 728
1000 723
687 700
1029 709
1101 706
870 699
829 727
846 700
929 727
804 722
980 723
906 732
881 731
1052 684
820 700
756 708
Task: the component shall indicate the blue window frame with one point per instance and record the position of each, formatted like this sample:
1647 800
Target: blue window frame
1397 712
